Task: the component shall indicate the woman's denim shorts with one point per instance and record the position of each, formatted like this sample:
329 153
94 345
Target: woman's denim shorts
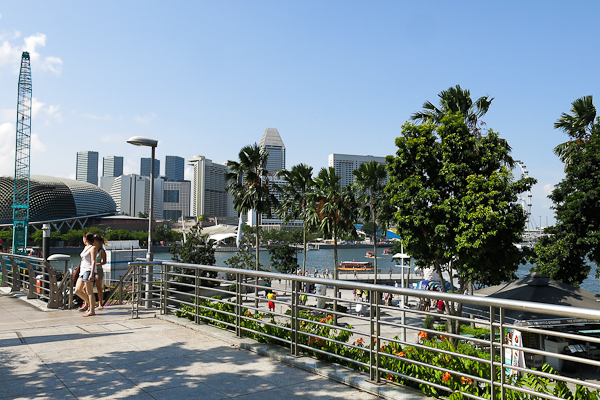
86 277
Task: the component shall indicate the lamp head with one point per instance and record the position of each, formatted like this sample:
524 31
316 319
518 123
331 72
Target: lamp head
142 141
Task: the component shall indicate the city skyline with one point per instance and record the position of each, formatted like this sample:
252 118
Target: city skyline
335 79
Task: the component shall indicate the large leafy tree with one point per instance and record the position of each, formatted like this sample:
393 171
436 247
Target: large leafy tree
295 197
580 126
284 258
251 190
197 249
455 100
369 180
574 240
334 209
456 201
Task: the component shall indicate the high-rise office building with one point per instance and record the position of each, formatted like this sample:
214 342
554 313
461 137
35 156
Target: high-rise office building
176 200
87 167
174 168
209 196
112 166
131 194
271 141
346 164
146 166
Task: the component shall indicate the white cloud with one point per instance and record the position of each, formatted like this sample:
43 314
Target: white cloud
10 55
7 148
52 112
8 115
36 145
107 117
146 118
188 173
113 138
548 188
131 167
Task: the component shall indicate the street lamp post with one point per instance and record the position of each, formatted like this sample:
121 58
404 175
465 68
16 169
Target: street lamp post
144 141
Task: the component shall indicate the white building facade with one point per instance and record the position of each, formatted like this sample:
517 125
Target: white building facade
131 194
346 164
176 200
209 196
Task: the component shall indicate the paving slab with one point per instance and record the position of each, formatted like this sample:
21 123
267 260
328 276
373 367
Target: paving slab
61 355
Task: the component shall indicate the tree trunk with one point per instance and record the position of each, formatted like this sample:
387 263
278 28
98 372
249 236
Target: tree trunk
374 240
257 264
335 275
304 240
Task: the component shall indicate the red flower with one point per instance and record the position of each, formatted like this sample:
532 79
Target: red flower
401 354
423 335
322 320
466 381
446 377
390 378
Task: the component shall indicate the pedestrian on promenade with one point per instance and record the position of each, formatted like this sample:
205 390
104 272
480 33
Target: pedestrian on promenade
272 296
359 306
99 243
87 271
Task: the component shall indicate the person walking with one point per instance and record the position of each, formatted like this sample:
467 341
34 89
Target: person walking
84 287
100 242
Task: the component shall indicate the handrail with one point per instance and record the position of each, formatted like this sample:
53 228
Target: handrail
119 286
292 320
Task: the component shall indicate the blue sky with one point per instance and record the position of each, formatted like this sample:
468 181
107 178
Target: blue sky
207 78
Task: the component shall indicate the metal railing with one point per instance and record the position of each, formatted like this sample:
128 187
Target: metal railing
390 344
36 277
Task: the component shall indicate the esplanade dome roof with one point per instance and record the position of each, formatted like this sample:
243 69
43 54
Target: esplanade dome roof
52 198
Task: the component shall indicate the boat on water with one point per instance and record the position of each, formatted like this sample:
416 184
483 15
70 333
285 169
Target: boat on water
370 254
355 266
387 252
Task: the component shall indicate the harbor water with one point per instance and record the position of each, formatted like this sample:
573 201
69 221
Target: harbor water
323 259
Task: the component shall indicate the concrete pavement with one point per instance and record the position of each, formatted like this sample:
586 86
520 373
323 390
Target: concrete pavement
61 355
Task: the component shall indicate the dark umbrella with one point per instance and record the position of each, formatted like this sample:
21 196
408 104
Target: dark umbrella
539 289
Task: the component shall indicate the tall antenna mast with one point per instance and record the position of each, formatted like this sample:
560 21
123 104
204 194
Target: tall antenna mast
22 156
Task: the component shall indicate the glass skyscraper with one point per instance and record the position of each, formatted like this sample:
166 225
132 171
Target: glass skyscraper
174 168
87 167
112 166
146 165
271 141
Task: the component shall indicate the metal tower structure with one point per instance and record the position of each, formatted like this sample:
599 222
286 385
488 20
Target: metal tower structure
22 156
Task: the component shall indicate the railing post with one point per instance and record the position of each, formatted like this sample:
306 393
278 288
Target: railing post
377 331
16 275
4 282
53 286
148 286
165 289
492 352
294 313
135 291
373 341
197 289
32 284
502 355
239 304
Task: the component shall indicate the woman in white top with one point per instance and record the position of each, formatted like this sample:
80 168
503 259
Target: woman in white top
87 271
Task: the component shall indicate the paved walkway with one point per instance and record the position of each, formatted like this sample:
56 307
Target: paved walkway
61 355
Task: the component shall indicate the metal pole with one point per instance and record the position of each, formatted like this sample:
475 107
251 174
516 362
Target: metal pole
149 255
46 241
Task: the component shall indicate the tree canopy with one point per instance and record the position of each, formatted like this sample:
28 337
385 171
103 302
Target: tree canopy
456 200
574 241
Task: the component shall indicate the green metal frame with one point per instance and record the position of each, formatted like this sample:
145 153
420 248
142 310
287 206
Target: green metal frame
22 157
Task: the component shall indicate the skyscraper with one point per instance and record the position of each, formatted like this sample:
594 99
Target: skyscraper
131 194
87 167
174 168
112 166
146 165
209 196
345 164
271 141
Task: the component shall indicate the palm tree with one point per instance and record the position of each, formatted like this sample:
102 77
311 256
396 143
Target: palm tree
454 100
369 181
249 186
579 126
334 209
295 197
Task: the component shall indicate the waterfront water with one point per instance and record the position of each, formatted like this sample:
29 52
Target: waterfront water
323 258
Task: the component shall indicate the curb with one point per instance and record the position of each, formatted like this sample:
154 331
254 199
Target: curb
331 371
